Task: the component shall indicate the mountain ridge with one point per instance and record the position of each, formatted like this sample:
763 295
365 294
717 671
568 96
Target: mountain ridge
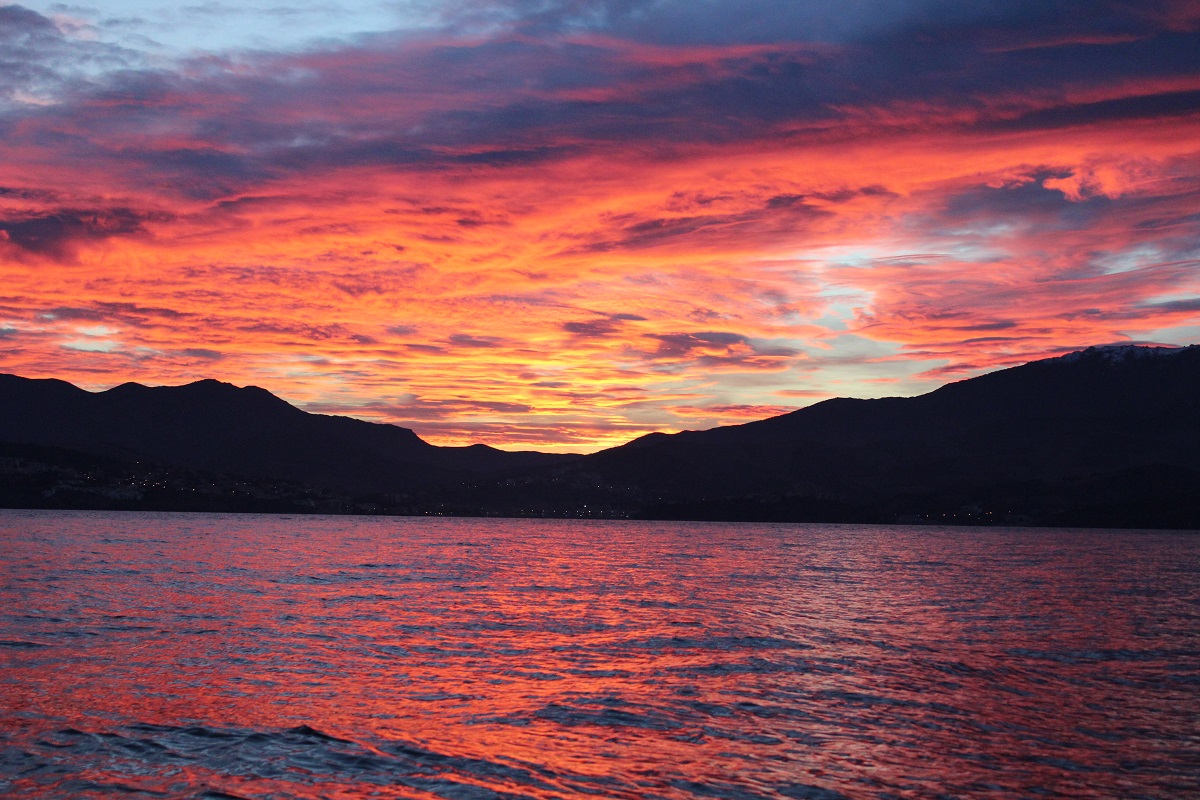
216 426
1047 440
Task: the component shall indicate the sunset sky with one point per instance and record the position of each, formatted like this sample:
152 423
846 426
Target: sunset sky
561 224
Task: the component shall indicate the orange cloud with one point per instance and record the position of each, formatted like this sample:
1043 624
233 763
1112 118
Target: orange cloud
598 236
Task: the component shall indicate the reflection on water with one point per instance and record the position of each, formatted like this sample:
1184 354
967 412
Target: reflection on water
256 656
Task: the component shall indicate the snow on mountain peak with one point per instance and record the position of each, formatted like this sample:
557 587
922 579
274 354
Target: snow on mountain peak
1120 353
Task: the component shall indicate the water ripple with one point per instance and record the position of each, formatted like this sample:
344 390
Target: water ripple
214 656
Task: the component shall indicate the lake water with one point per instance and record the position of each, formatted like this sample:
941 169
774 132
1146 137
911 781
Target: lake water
202 655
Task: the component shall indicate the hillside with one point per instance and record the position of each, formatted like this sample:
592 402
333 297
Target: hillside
220 428
1104 436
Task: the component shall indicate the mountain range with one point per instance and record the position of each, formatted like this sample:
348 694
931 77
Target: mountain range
1107 436
217 427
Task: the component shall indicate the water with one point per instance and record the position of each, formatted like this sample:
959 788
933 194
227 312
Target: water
180 655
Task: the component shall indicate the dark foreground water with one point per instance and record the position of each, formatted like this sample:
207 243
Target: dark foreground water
297 657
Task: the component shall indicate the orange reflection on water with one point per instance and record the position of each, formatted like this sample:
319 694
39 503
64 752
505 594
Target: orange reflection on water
330 657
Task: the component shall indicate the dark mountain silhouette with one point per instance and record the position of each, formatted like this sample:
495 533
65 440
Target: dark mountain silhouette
1102 409
217 427
1105 436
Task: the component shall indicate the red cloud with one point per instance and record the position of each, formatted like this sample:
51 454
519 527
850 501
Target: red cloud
566 241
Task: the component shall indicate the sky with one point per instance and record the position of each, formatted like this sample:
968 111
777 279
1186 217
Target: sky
562 224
